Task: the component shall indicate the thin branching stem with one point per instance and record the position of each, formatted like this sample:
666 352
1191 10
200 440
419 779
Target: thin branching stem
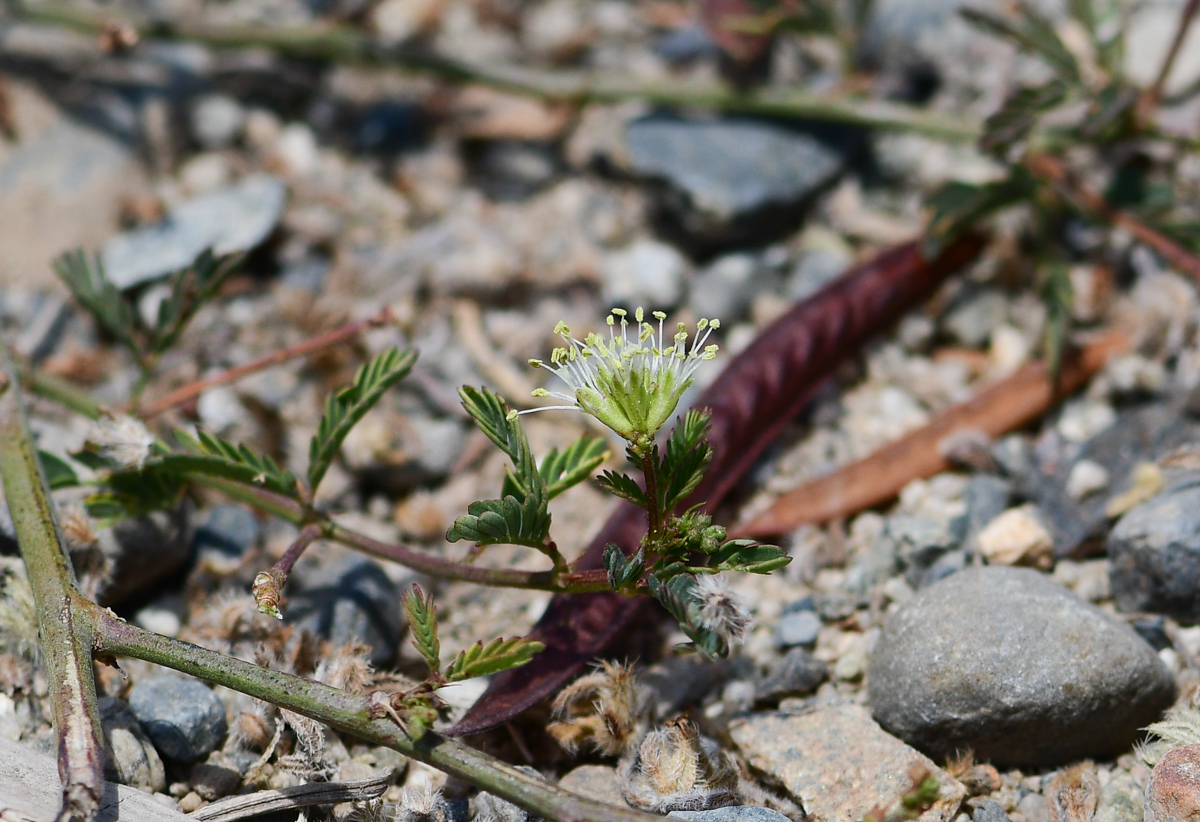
344 44
268 585
292 511
352 714
73 629
65 631
1051 170
61 391
330 338
1186 16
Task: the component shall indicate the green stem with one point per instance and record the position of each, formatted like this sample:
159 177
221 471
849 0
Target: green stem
291 511
60 391
63 628
352 715
654 516
343 44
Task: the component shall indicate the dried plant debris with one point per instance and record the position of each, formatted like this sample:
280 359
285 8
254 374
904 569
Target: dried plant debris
675 768
1180 726
605 710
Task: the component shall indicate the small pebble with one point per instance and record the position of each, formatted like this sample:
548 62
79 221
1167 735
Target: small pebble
797 628
989 811
191 802
1017 537
1086 477
797 674
1154 554
183 717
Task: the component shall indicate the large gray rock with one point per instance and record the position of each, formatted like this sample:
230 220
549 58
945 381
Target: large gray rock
1010 664
1154 554
731 181
232 219
61 187
837 762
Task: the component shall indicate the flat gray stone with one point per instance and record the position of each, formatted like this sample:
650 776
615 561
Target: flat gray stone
597 782
1010 664
61 187
352 600
1154 554
730 179
734 813
232 219
837 762
183 717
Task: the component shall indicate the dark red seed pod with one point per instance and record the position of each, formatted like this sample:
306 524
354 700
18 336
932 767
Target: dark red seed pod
751 401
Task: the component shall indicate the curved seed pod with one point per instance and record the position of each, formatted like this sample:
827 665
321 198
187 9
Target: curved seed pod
751 401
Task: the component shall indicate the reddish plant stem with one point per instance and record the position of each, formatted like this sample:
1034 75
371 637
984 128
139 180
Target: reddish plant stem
329 338
1154 93
758 393
1052 170
268 585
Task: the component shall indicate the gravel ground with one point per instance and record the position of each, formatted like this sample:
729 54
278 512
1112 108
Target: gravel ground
998 624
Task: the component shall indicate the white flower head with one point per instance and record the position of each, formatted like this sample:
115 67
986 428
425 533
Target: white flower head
633 380
722 611
122 439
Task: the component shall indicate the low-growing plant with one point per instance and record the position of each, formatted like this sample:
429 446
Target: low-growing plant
632 381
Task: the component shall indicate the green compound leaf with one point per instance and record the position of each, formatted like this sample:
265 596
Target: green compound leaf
1032 32
1019 114
623 573
212 456
623 486
422 621
749 557
958 206
503 427
134 493
59 473
89 285
677 595
507 521
498 655
687 458
561 470
492 416
344 409
1058 296
190 288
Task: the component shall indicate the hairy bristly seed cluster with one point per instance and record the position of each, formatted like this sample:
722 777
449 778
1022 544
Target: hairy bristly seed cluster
603 709
722 611
124 440
676 769
633 380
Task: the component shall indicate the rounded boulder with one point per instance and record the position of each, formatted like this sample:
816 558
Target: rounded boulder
1011 665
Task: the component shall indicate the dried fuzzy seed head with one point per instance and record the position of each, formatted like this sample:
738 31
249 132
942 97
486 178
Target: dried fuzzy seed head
721 610
347 668
77 527
602 709
631 381
18 613
123 440
676 769
421 803
1074 793
253 728
372 810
